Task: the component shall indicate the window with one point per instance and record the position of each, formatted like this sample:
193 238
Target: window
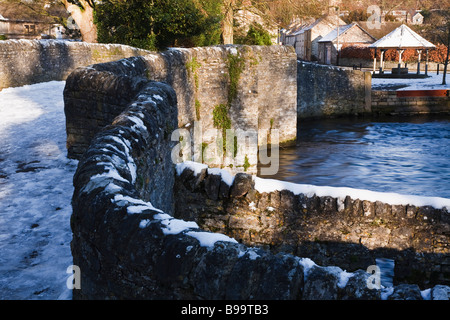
29 28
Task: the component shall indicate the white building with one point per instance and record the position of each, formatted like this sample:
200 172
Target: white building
305 37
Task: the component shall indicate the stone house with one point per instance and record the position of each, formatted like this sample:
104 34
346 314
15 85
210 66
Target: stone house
351 34
410 16
305 37
28 28
414 17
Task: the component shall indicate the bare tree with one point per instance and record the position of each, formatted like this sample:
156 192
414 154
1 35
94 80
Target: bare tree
227 22
283 12
82 11
443 30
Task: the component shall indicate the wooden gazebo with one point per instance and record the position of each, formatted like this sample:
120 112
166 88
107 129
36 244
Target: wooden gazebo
400 39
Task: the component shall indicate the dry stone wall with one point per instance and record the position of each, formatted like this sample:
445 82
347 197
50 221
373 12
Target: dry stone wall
388 103
329 91
25 62
127 244
343 231
127 248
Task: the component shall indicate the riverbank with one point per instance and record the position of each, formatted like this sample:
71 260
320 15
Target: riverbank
433 82
407 155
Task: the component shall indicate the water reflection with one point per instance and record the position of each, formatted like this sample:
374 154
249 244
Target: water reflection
404 155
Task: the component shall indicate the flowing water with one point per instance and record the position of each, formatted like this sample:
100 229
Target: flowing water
408 155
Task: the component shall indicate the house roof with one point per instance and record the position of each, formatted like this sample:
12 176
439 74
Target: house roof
299 28
414 12
402 37
333 34
342 30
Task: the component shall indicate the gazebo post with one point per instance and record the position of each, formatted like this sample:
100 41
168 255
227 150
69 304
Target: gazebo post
375 61
419 51
426 63
381 60
400 52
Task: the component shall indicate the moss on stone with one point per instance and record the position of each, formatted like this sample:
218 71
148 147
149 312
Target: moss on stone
197 109
246 163
235 65
192 67
221 119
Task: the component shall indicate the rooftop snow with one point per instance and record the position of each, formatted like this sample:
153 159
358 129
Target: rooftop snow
333 34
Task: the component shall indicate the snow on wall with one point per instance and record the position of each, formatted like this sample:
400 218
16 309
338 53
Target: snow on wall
111 223
345 227
127 248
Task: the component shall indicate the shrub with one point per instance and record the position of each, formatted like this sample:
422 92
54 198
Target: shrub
409 55
256 35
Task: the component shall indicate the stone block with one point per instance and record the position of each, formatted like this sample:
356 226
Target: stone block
212 186
242 184
321 283
406 292
357 289
440 292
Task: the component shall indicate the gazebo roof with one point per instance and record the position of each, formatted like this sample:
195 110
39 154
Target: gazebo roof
402 38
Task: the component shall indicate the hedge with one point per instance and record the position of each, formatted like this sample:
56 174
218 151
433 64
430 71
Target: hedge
409 55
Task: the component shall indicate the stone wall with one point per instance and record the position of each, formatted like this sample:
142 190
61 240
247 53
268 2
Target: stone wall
346 231
31 61
249 87
388 103
328 91
127 248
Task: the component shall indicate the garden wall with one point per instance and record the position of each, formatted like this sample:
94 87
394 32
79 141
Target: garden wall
129 246
25 62
328 91
393 103
344 227
128 249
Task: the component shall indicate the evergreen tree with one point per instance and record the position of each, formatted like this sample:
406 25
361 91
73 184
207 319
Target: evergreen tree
256 35
155 25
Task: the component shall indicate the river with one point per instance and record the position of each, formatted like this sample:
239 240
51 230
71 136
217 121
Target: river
409 155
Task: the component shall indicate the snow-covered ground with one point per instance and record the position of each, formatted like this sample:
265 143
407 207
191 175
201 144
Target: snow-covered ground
35 193
434 81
